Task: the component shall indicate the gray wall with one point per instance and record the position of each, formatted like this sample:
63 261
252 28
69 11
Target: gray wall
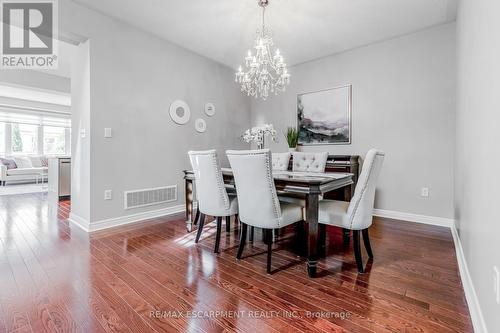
477 159
134 77
403 103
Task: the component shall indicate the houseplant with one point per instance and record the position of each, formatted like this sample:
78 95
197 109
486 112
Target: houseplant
292 138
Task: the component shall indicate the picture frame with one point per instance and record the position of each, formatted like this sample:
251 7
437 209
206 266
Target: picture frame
324 117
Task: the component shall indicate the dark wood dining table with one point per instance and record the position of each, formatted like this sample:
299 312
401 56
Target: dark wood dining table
310 185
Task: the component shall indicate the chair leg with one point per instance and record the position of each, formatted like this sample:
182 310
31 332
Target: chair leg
322 240
251 234
269 237
197 217
200 227
228 223
357 250
366 240
243 239
217 234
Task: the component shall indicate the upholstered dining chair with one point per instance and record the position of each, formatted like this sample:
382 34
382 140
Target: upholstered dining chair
305 162
280 161
258 202
357 214
213 199
309 162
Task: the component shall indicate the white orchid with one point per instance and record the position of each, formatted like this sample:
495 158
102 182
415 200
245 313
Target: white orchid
256 134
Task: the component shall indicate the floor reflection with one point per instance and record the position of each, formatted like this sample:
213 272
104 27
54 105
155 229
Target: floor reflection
55 277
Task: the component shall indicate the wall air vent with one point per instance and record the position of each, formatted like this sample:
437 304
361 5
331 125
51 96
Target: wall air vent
150 196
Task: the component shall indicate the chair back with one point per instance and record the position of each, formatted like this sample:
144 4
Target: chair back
309 162
210 189
257 199
360 208
281 161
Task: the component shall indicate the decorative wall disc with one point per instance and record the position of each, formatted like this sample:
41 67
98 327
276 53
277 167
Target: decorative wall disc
209 109
180 112
200 125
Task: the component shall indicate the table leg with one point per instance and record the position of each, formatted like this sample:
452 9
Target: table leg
346 236
312 208
189 203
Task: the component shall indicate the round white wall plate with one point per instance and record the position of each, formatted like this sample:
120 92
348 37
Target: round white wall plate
210 109
180 112
200 125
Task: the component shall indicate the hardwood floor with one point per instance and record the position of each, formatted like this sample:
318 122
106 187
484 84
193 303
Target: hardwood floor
151 277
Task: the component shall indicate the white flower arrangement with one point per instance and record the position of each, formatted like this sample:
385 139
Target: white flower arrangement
256 134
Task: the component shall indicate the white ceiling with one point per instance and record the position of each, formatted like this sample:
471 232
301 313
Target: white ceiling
303 30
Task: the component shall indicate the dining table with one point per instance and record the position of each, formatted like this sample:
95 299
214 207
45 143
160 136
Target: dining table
310 185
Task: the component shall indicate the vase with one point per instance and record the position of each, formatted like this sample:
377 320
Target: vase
261 144
292 149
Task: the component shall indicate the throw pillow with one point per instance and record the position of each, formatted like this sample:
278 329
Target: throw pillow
45 161
10 164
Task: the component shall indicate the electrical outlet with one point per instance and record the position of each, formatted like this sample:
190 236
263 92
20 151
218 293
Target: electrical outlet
108 194
496 283
424 192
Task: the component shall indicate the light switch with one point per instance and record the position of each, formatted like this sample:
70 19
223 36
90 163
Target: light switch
108 194
107 132
83 133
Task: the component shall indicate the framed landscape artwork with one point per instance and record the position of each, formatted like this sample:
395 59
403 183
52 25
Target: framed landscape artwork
324 117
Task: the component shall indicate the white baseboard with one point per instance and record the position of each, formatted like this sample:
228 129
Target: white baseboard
79 221
470 293
133 218
432 220
124 220
476 314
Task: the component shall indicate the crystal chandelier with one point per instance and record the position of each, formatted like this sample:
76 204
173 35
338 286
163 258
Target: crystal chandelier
264 72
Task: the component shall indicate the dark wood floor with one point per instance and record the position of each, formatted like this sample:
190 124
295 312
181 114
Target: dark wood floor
55 278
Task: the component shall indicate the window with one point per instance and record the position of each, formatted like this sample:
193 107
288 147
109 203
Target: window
34 121
30 139
2 139
24 139
54 141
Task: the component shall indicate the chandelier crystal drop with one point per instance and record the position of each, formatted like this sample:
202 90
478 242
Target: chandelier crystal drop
264 72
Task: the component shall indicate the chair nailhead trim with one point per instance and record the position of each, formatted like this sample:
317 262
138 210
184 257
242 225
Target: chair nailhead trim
270 182
363 190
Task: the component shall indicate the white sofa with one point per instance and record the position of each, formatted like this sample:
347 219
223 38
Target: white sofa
29 168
